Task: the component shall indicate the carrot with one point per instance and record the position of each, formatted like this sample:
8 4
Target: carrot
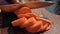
27 15
46 24
23 15
28 22
18 21
35 27
22 10
38 18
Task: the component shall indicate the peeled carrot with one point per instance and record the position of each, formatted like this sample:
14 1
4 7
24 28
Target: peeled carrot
18 21
23 15
46 23
28 22
27 15
35 28
22 10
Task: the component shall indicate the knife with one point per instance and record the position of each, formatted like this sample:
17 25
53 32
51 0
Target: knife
32 5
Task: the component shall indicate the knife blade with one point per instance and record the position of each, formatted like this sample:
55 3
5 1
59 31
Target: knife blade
32 5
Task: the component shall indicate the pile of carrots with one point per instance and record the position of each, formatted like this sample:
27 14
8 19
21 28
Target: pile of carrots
30 21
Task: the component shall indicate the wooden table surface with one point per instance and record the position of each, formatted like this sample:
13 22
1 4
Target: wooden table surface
55 29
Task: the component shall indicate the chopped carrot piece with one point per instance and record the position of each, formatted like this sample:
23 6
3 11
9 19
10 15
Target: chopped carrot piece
18 21
35 27
27 15
22 10
29 22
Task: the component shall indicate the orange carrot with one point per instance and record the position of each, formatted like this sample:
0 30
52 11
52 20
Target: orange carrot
22 10
28 22
35 27
28 15
18 21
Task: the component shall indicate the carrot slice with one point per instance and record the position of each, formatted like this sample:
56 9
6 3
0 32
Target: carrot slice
22 10
23 15
38 18
32 15
28 22
25 10
18 21
46 23
35 28
27 15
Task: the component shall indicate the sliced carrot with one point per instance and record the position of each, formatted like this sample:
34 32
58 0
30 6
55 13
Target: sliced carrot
38 18
49 26
32 15
23 15
44 27
35 27
28 22
18 21
22 10
27 15
46 23
25 10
